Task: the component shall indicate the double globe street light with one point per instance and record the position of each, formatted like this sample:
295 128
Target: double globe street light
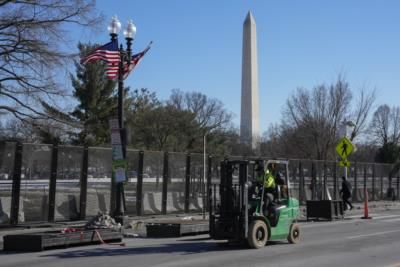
125 60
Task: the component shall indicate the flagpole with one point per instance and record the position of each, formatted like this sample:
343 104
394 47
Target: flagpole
112 54
125 58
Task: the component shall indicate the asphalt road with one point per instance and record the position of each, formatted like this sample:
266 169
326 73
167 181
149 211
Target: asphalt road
351 242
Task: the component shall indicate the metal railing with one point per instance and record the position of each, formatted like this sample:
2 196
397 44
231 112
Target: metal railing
41 182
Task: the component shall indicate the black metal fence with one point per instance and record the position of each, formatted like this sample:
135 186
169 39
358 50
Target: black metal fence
40 182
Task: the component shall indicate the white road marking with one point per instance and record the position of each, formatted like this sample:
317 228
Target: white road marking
379 233
321 223
384 216
395 265
392 220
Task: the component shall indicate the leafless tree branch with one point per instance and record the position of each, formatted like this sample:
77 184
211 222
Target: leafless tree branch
32 33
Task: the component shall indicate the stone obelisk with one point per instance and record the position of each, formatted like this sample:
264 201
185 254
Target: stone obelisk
250 115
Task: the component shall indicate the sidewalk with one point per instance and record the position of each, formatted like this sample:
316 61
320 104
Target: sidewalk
358 208
134 226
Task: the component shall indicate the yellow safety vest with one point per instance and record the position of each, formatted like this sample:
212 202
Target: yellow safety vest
269 182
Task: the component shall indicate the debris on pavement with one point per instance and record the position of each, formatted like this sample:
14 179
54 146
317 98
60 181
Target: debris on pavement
131 235
103 221
135 225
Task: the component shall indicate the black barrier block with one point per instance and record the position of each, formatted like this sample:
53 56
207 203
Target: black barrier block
324 209
177 229
54 239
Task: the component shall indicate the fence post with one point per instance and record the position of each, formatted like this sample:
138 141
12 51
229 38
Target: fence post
335 181
208 182
187 183
373 182
398 187
165 184
313 181
139 185
53 182
365 181
84 181
16 185
355 193
301 183
382 195
325 193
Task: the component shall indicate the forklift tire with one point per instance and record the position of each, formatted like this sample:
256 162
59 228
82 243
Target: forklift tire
258 234
294 234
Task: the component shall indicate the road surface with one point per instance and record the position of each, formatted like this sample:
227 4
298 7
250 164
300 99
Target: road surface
350 242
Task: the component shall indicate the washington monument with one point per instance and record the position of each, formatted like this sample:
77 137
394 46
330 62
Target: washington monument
250 115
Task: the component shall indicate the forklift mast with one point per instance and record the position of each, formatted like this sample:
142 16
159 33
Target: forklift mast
232 210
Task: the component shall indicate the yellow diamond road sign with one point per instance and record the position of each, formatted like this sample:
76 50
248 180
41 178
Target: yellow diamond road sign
344 163
344 148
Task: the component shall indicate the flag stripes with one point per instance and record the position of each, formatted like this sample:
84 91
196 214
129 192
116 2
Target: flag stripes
108 52
111 55
135 60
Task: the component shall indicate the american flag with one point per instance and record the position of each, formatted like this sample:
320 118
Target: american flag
108 53
111 55
135 60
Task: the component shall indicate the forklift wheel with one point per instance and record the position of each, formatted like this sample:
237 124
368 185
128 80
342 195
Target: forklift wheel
294 234
258 234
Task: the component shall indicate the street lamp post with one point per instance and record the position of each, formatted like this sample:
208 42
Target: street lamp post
125 58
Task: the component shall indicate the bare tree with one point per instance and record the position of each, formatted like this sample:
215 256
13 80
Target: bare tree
32 36
385 125
210 112
363 109
312 118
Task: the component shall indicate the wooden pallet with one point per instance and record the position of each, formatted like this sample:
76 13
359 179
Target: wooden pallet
56 239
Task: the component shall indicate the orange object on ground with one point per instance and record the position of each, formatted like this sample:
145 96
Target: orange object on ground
366 216
121 244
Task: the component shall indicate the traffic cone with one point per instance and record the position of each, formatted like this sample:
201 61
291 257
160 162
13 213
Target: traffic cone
366 205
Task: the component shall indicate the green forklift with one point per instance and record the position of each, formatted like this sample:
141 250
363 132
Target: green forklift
237 207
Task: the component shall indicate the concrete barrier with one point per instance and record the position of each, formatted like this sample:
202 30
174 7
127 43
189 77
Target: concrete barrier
152 203
359 194
5 211
308 193
196 203
295 193
356 195
35 207
5 207
376 195
66 207
97 202
175 202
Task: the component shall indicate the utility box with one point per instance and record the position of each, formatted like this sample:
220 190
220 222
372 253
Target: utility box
324 209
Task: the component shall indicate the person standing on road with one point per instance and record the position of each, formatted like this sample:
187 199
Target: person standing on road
346 193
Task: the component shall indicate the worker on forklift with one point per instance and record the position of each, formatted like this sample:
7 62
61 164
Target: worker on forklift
267 176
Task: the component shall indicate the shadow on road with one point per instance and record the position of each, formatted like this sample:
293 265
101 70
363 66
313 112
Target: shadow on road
184 248
194 239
